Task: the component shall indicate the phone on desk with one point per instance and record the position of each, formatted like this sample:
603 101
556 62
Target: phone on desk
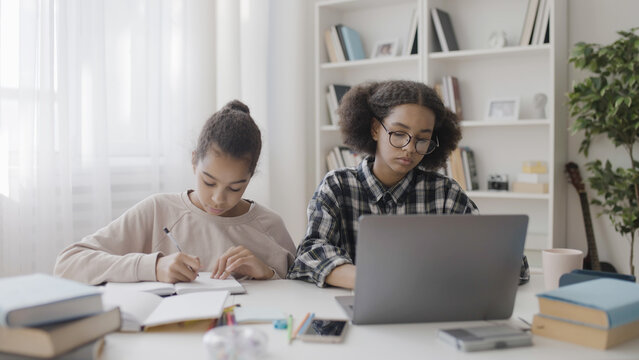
496 336
325 330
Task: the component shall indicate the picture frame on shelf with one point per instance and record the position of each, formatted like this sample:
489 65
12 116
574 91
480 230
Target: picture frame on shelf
499 109
386 48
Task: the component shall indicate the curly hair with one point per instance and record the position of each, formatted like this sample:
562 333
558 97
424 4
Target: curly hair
233 130
375 100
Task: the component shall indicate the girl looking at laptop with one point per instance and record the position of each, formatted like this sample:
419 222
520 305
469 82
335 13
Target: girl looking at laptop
408 134
214 227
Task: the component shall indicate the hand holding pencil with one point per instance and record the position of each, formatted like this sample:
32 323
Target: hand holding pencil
177 267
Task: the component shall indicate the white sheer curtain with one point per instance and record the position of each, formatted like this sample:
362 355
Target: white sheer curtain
100 106
264 58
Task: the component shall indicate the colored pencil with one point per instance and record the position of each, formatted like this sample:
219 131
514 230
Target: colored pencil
289 327
301 324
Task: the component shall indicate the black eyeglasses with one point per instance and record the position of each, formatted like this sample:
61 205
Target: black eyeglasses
399 139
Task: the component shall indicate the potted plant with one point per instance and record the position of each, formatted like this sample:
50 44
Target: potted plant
607 103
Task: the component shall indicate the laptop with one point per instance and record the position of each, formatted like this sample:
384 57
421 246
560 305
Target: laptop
435 268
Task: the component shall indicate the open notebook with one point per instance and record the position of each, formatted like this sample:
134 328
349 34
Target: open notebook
202 283
140 310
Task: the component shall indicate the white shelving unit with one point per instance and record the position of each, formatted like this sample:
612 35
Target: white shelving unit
483 74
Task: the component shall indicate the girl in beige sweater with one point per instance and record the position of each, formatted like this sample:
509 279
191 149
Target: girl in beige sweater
216 229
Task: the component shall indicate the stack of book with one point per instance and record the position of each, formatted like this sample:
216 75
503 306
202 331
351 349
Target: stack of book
341 157
536 28
598 313
44 316
461 166
343 44
533 178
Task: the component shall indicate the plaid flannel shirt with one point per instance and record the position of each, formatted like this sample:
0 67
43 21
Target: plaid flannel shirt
345 194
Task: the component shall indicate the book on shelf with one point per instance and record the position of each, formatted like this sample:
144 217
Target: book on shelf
444 30
352 42
529 23
544 32
330 47
451 95
202 283
39 299
336 40
334 99
144 310
438 89
457 105
341 157
470 168
457 168
597 313
52 340
412 38
539 21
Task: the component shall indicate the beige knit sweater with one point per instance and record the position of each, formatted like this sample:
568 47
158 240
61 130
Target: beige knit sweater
126 250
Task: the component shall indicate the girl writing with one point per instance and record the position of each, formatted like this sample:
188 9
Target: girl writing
215 228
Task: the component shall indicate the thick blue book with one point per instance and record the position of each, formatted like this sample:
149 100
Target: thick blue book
352 43
39 299
606 303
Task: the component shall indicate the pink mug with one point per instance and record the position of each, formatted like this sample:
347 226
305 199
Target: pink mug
556 262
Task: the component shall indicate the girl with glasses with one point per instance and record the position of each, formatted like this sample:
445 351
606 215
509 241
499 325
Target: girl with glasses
408 135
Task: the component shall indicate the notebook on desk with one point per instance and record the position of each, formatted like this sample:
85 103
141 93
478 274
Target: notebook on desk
202 283
433 268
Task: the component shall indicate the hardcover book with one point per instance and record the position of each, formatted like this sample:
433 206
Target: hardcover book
444 30
607 303
529 23
352 43
39 299
583 334
55 339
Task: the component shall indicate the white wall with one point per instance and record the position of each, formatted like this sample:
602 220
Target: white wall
596 21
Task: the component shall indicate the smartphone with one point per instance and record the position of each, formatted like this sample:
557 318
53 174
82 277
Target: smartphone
485 337
325 330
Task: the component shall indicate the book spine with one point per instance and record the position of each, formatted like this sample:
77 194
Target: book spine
337 43
538 24
529 22
464 152
439 30
330 49
411 34
457 98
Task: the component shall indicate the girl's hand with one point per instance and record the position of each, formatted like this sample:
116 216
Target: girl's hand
241 261
177 267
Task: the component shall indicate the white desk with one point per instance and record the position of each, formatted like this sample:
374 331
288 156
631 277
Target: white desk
362 341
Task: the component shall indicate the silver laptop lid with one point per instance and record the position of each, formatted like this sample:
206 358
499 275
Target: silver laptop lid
431 268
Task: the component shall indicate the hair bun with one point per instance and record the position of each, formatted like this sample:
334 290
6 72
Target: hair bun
237 106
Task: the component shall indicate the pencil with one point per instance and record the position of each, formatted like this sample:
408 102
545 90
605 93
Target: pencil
289 327
300 325
307 323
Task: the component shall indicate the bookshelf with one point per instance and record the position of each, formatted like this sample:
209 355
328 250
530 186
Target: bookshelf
484 73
